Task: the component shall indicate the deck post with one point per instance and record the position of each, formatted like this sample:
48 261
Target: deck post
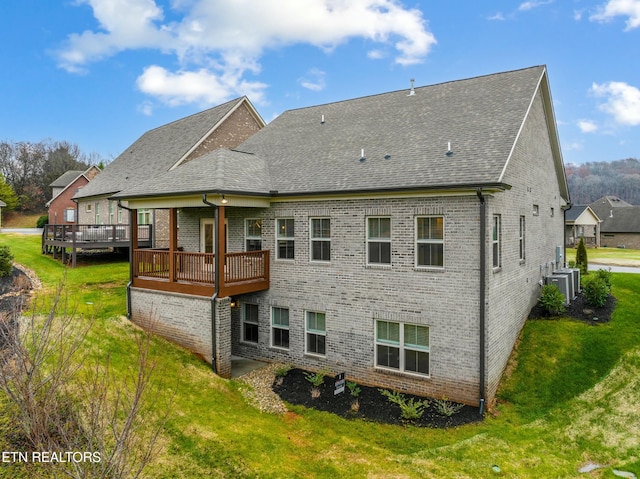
173 243
221 248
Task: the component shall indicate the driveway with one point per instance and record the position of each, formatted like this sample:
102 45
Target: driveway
22 231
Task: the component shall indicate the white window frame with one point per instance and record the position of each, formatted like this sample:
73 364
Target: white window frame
283 238
120 214
378 239
312 332
403 347
70 215
88 207
144 216
279 326
522 237
97 214
319 239
496 242
251 322
111 212
428 241
248 237
536 210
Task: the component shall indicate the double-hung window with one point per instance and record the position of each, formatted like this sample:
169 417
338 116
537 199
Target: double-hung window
403 347
280 327
250 322
253 234
320 239
144 217
379 240
316 333
496 240
97 213
285 234
430 241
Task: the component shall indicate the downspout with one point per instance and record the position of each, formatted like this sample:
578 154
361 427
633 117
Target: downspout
216 281
129 307
564 232
483 267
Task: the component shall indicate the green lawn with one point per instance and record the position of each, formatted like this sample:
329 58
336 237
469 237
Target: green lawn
612 256
571 399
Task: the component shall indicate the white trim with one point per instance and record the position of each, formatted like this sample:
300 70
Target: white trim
285 238
378 240
272 327
317 332
400 345
427 241
324 240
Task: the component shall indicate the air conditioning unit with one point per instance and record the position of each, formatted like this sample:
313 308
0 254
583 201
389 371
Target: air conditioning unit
572 281
576 280
562 282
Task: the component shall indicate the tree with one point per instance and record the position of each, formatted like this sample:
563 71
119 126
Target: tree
582 261
7 194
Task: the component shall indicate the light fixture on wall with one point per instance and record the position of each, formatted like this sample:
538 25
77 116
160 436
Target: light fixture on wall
224 201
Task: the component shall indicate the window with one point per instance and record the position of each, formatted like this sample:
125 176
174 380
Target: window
285 238
120 213
111 212
522 237
430 241
250 322
320 239
379 240
536 210
316 333
70 215
496 241
97 213
144 217
280 327
404 347
253 234
88 207
553 212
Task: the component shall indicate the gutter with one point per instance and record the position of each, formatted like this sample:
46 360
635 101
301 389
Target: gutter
564 231
129 307
216 280
483 272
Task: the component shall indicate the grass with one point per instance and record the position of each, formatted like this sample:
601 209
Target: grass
18 220
570 399
613 256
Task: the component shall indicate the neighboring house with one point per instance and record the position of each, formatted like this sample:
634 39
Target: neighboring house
582 222
400 238
620 226
158 151
62 208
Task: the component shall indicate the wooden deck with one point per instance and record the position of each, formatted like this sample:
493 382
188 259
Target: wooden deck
57 239
194 273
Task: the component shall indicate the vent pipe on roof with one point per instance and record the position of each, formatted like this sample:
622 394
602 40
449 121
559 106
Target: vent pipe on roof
449 151
412 91
322 119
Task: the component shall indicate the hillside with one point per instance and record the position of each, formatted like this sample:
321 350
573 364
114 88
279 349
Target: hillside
590 181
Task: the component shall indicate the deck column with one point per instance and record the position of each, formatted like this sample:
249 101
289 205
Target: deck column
221 249
173 243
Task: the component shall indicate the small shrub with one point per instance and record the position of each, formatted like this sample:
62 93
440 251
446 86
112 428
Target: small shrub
41 221
281 370
596 291
316 380
446 407
552 299
409 410
605 275
582 261
6 261
353 388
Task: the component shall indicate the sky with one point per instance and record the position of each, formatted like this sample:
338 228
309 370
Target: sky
99 73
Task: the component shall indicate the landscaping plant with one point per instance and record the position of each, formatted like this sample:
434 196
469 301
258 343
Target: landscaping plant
582 261
552 299
596 291
316 380
281 370
354 391
446 407
6 261
409 410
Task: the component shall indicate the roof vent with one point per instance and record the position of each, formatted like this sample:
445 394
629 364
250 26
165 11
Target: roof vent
449 151
362 157
412 91
322 119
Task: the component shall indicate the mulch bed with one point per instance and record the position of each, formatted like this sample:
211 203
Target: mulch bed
373 406
580 310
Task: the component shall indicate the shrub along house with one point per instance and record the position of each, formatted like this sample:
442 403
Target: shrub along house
399 237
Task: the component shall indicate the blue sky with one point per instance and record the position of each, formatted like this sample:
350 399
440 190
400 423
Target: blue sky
99 73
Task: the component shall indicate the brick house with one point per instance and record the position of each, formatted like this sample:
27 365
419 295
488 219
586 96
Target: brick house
62 209
399 238
582 222
160 150
620 227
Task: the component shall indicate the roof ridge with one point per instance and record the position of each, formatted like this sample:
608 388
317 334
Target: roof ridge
448 82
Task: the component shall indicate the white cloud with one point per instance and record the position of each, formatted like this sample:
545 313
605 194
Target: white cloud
615 8
316 82
498 16
218 41
587 126
621 100
531 5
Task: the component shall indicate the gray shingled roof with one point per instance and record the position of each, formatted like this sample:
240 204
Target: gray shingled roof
404 138
622 220
65 179
155 152
573 213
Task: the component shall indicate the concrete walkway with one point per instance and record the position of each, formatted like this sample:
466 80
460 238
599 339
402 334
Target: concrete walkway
22 231
242 366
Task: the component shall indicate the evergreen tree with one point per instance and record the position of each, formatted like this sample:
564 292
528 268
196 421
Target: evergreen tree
582 261
7 194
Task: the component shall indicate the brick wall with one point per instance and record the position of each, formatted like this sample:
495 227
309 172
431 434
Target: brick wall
63 202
